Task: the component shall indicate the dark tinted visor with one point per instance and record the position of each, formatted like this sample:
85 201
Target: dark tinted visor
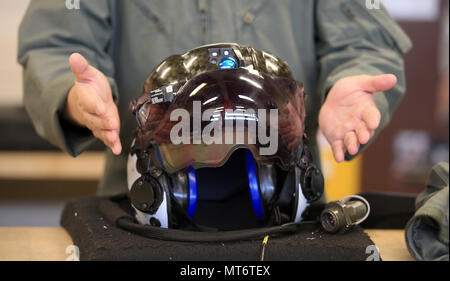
215 113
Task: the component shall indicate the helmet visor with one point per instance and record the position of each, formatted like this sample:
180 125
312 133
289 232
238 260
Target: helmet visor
217 112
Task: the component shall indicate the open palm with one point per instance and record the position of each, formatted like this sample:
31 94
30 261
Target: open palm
349 116
90 103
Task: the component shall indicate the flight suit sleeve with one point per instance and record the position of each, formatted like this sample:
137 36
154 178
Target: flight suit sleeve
426 233
48 34
353 40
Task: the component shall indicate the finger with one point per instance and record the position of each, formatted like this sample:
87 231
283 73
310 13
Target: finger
114 115
110 138
380 83
81 68
338 150
351 143
371 117
117 149
362 132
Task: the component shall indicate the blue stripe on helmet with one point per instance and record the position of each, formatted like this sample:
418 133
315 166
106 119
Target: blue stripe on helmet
192 180
253 185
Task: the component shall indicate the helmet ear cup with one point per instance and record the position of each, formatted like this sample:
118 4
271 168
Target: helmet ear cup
146 194
312 183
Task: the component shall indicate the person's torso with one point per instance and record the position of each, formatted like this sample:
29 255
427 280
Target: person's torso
148 31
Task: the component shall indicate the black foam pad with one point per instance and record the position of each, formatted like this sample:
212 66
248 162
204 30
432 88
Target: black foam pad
98 239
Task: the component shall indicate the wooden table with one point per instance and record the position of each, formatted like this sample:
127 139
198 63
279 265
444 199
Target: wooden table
51 244
37 165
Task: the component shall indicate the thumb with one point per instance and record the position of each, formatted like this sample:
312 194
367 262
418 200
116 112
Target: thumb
80 68
380 83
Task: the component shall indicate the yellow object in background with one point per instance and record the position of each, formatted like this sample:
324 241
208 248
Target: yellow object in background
341 179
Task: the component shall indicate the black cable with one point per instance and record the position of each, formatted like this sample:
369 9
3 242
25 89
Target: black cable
194 236
117 216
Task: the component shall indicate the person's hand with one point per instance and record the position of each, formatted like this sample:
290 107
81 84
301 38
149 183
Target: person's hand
90 103
349 116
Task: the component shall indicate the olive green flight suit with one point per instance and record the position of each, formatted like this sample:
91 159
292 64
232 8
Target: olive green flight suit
322 41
